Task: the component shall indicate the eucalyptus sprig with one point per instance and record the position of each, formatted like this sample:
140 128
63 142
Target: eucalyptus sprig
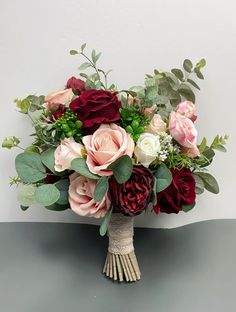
94 81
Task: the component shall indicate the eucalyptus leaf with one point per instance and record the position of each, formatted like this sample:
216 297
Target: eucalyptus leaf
198 73
178 73
63 186
199 188
193 83
47 194
79 165
202 145
104 226
210 182
84 66
56 207
73 52
29 167
25 195
48 159
188 207
83 47
164 178
187 65
186 92
100 189
122 169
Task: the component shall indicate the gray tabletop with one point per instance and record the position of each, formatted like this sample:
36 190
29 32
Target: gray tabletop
57 267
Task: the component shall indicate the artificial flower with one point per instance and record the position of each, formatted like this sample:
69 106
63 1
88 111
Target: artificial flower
54 101
147 148
108 143
133 196
76 84
94 107
156 125
188 109
81 191
66 152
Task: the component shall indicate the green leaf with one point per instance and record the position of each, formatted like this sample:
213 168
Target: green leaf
48 158
208 153
104 226
63 186
188 207
202 145
154 192
32 148
210 182
178 73
89 84
95 57
24 208
187 65
83 47
25 195
199 188
122 169
220 148
186 92
47 194
164 178
73 52
79 165
84 66
198 73
100 189
56 207
193 83
201 63
29 167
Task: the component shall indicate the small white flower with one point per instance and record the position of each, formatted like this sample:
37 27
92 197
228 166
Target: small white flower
147 148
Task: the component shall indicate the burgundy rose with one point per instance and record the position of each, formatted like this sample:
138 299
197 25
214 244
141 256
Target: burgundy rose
76 84
181 192
56 115
50 177
133 196
94 107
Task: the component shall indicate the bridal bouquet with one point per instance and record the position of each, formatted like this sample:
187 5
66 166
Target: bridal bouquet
113 154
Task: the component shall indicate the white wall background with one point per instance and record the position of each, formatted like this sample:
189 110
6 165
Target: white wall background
135 36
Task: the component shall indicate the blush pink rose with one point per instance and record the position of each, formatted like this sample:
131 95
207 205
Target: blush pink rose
188 109
156 125
81 200
55 100
191 152
182 129
66 152
108 143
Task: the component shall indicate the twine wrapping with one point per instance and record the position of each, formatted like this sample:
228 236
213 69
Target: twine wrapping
121 263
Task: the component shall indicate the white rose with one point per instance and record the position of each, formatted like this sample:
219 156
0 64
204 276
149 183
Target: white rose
147 148
66 152
156 126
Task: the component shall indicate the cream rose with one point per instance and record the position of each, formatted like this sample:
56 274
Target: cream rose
66 152
108 143
147 148
81 200
156 125
54 100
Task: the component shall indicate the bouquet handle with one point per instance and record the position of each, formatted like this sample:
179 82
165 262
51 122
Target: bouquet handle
121 262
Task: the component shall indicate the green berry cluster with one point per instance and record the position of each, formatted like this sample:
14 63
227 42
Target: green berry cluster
68 126
133 122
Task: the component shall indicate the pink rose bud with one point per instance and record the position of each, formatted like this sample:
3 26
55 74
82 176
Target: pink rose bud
150 110
66 152
182 129
188 109
55 100
156 125
190 152
108 143
81 200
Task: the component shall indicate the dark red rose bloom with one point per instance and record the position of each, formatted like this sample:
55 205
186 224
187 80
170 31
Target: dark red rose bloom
56 115
76 84
50 177
181 192
133 196
94 107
